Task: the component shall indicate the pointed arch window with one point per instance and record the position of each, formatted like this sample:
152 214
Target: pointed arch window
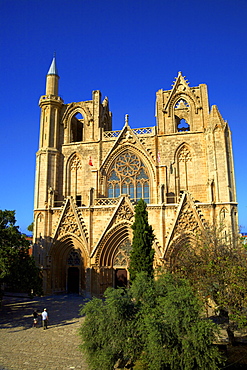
75 179
223 214
181 110
121 257
128 175
185 168
77 128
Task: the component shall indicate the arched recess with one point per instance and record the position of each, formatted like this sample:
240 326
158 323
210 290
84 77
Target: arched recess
39 225
113 255
39 234
76 128
110 244
182 115
234 222
74 178
75 119
191 106
128 171
60 262
184 159
180 244
223 215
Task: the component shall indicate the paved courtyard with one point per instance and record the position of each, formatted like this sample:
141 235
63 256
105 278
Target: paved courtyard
23 347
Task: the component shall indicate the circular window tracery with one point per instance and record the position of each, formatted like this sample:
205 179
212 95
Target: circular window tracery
128 175
127 164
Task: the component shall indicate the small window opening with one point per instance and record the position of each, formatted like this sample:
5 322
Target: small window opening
182 125
78 200
77 128
170 197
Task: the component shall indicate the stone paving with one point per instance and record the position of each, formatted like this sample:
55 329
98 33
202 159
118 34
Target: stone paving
23 347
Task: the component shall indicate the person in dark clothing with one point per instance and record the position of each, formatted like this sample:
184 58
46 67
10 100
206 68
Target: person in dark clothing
35 319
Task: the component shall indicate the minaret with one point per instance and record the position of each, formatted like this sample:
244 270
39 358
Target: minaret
52 79
50 105
48 153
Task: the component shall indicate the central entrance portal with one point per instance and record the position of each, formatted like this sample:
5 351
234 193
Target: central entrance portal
121 278
73 263
73 280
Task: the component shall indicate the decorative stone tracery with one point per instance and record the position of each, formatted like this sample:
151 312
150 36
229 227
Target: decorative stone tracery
122 256
74 258
187 220
69 224
184 155
124 213
128 175
75 163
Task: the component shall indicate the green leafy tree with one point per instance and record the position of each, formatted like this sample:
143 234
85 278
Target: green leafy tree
30 227
108 332
142 253
17 267
153 325
216 266
11 241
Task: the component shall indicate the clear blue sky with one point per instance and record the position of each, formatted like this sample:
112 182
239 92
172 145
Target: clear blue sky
128 49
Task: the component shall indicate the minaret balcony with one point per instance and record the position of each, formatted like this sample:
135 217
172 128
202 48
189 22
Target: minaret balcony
50 98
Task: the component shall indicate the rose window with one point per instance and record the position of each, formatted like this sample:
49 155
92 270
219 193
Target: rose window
128 175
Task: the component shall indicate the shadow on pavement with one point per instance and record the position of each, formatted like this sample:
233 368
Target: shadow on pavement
17 311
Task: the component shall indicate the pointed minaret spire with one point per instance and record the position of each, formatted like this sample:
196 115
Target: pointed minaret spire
52 78
53 68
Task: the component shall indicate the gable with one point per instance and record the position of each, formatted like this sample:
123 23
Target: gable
188 220
70 222
123 213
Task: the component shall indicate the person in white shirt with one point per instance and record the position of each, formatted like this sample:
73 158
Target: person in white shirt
44 319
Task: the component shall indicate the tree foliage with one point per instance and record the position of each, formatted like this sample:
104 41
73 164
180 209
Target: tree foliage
30 227
217 268
153 325
142 253
17 267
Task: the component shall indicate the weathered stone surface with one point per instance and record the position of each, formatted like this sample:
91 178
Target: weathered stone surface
182 167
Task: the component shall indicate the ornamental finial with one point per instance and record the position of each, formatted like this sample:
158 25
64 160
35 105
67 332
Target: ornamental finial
126 119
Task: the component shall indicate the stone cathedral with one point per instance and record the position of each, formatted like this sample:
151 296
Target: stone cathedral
88 179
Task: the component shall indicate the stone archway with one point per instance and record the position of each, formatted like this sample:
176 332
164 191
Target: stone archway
73 272
68 263
121 279
112 255
180 245
73 280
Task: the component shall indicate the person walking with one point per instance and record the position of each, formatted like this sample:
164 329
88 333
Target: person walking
44 319
35 318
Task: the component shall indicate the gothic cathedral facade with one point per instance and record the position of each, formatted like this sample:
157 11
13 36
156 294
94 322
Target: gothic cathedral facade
88 179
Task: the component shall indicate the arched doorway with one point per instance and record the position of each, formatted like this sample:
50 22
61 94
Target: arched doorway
120 263
73 280
121 278
67 252
73 277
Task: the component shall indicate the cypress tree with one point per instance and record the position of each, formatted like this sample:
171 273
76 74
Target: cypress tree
142 253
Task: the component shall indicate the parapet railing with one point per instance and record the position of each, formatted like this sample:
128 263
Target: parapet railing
105 201
137 131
